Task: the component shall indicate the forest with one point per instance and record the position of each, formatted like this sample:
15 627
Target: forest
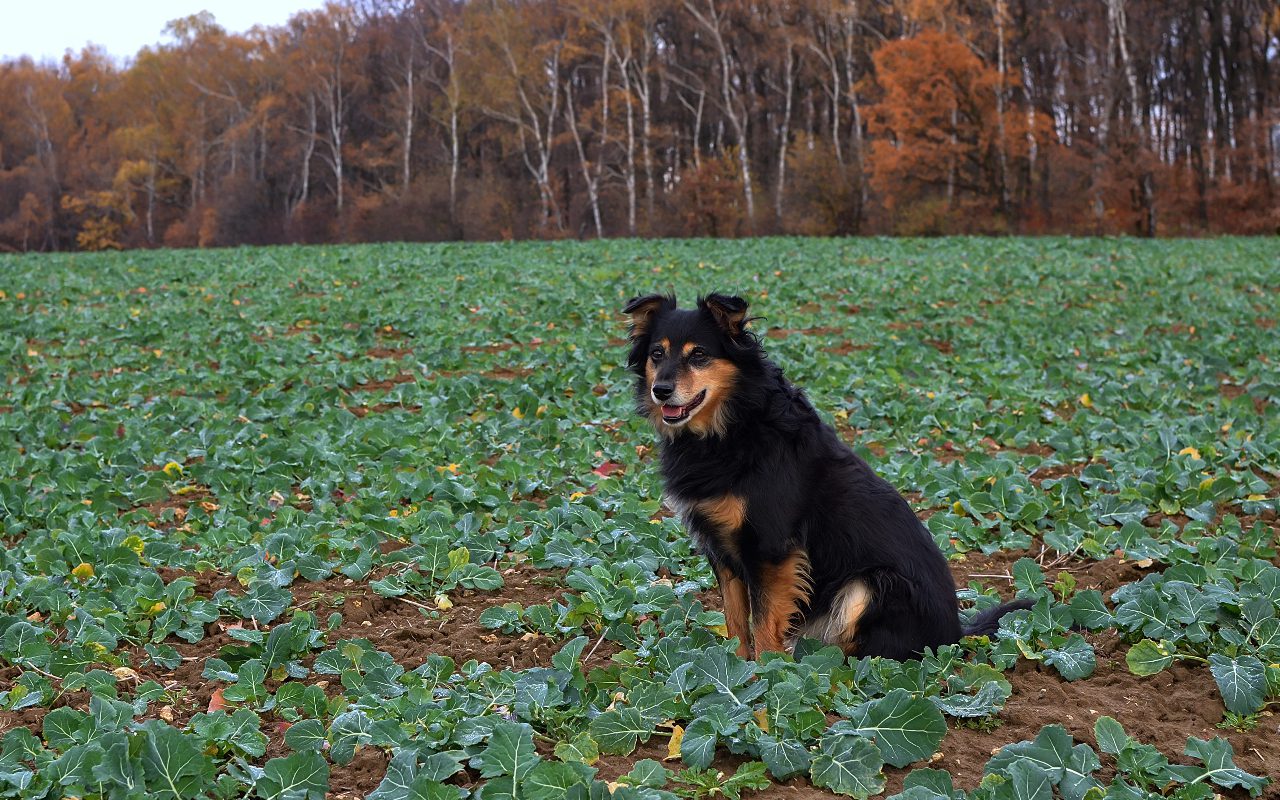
422 120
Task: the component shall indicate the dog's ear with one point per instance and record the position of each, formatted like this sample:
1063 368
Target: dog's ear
643 309
730 312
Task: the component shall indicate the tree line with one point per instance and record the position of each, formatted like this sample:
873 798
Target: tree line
435 119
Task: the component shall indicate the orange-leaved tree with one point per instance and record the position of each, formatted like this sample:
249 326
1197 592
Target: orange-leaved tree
937 144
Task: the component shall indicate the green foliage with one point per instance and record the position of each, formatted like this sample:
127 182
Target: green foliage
425 422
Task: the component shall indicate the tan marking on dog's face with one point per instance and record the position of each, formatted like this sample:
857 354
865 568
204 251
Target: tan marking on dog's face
784 587
655 411
718 378
687 348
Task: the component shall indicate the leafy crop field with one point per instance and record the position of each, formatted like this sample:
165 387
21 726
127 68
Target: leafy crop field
379 521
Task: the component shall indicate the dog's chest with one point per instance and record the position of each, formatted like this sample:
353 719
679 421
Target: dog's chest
679 506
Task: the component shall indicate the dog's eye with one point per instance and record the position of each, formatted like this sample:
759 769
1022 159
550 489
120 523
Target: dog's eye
657 354
698 356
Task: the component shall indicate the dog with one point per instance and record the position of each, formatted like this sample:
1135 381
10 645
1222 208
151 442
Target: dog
804 538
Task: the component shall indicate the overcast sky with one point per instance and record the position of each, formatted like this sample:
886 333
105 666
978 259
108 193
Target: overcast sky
45 29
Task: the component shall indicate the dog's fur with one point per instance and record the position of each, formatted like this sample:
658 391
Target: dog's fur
805 539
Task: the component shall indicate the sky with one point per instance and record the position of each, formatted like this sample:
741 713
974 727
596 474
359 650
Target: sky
45 29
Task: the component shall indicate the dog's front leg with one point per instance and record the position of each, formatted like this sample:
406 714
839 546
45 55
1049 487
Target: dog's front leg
776 599
733 591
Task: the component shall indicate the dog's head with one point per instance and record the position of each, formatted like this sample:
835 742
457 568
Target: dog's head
689 360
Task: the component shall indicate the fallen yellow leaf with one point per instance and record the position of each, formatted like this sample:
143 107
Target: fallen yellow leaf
673 744
762 719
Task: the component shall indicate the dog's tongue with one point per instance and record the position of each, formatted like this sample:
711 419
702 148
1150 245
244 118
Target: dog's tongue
672 411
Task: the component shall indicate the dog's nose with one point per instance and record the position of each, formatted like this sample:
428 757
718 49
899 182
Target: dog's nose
661 391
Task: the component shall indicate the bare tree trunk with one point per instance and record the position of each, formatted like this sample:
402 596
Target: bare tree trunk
1002 147
409 109
606 63
849 24
151 199
529 122
713 22
454 157
629 167
335 144
646 128
312 131
951 170
822 32
592 181
784 138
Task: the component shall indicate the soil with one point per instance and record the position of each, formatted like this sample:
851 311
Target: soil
1162 709
389 352
383 385
845 348
380 408
783 333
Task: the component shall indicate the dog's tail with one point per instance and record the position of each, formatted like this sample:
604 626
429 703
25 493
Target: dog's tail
987 622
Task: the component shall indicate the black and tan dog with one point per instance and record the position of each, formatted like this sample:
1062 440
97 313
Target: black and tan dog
805 539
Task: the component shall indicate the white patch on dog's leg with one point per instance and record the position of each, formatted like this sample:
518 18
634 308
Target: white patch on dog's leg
840 624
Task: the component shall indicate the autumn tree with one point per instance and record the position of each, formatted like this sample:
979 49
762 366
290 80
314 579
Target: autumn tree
422 119
939 144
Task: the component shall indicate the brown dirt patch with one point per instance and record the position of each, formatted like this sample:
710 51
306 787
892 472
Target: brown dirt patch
994 570
388 352
382 408
1041 474
853 436
383 385
941 345
989 570
502 347
400 628
845 348
992 446
360 777
783 333
1231 391
507 373
173 510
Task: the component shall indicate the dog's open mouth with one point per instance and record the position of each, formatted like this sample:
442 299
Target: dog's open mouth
674 414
